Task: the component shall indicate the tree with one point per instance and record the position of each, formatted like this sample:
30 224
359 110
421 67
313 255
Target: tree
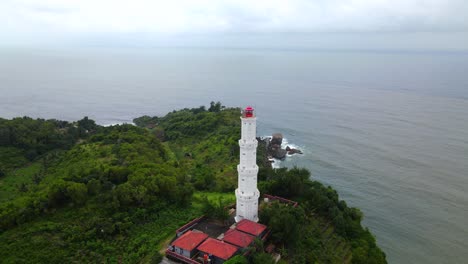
87 124
94 186
77 192
285 222
237 260
214 209
262 258
215 107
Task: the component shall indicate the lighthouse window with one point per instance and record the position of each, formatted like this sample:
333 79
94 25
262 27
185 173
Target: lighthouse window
242 179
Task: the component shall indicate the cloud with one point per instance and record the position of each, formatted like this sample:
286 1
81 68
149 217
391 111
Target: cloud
45 20
234 16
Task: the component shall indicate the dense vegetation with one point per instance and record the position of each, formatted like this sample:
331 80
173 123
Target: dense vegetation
79 192
322 228
24 139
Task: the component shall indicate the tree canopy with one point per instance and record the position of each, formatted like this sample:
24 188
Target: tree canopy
81 192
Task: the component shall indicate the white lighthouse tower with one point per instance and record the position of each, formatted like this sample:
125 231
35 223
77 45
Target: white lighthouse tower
247 193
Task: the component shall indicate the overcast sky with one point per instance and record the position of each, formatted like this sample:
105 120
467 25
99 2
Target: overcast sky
26 20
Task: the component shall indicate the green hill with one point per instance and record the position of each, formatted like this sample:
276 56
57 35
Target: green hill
79 192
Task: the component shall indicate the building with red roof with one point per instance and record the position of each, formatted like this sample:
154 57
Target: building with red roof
218 251
251 227
238 238
187 243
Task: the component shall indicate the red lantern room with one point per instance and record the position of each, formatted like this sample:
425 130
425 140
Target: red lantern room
248 111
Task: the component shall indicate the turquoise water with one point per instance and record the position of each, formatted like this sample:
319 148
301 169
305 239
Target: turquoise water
388 130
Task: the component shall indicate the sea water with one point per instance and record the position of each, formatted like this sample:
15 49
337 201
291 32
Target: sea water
388 130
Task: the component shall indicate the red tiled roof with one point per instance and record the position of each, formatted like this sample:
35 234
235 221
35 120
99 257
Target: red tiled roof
238 238
218 248
250 227
190 240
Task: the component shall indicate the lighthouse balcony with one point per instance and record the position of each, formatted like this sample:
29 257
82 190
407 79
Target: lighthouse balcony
248 143
245 196
248 170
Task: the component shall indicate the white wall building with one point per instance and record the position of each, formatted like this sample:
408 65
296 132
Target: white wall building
247 193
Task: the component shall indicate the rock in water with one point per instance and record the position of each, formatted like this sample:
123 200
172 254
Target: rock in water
293 151
280 154
277 139
274 147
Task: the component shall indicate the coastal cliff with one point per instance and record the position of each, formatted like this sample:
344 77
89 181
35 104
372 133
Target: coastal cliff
81 192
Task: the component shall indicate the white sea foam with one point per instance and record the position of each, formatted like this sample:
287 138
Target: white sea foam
112 124
285 143
118 123
276 164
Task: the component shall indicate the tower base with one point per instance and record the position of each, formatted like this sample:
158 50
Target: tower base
247 205
238 219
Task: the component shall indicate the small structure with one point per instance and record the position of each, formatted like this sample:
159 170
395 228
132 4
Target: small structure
218 251
190 225
215 242
238 238
187 243
267 198
252 228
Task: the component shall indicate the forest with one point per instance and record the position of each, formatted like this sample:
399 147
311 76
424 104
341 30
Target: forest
78 192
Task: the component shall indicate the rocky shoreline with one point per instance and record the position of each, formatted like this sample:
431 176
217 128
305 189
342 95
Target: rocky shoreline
273 150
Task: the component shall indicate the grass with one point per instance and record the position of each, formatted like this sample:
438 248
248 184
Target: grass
11 157
64 237
10 184
226 198
68 234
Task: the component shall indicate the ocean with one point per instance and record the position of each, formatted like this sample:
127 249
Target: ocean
387 129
